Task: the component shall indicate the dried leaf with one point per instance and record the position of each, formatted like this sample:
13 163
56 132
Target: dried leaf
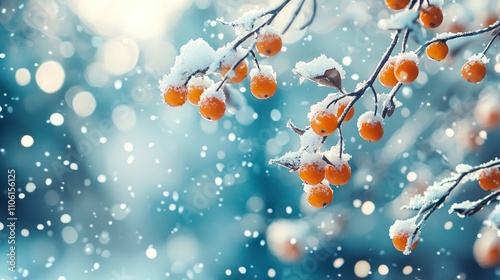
331 78
294 128
389 109
290 160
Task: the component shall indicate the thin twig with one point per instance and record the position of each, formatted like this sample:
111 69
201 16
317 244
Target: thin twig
490 43
426 210
311 18
341 143
420 50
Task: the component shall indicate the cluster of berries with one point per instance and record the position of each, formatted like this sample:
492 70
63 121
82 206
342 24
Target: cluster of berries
406 70
201 91
317 172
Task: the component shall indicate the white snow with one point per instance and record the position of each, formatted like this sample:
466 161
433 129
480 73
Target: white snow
307 187
310 141
463 168
202 81
268 29
479 57
407 56
385 98
173 79
369 117
313 159
227 55
246 21
403 226
321 105
212 92
333 155
464 205
407 227
438 3
265 70
195 55
431 195
443 35
289 158
399 20
317 67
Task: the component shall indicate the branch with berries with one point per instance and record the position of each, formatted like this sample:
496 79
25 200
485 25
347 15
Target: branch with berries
405 233
190 80
317 168
189 77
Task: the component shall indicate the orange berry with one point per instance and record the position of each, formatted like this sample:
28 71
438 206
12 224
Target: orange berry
431 16
312 173
489 179
370 127
400 239
212 108
386 75
239 73
262 83
319 196
397 4
437 50
323 123
196 87
406 70
338 175
269 44
474 71
175 95
194 93
341 109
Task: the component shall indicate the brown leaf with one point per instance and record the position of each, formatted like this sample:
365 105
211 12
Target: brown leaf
331 78
294 128
389 109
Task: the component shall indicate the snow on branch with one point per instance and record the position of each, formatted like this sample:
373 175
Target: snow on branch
436 194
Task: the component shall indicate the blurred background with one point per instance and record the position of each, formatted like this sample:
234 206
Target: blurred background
114 184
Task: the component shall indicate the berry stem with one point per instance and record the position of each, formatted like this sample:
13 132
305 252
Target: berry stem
341 143
405 40
295 13
382 61
413 2
255 61
490 43
194 74
226 77
393 91
313 15
273 13
375 100
327 160
347 108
